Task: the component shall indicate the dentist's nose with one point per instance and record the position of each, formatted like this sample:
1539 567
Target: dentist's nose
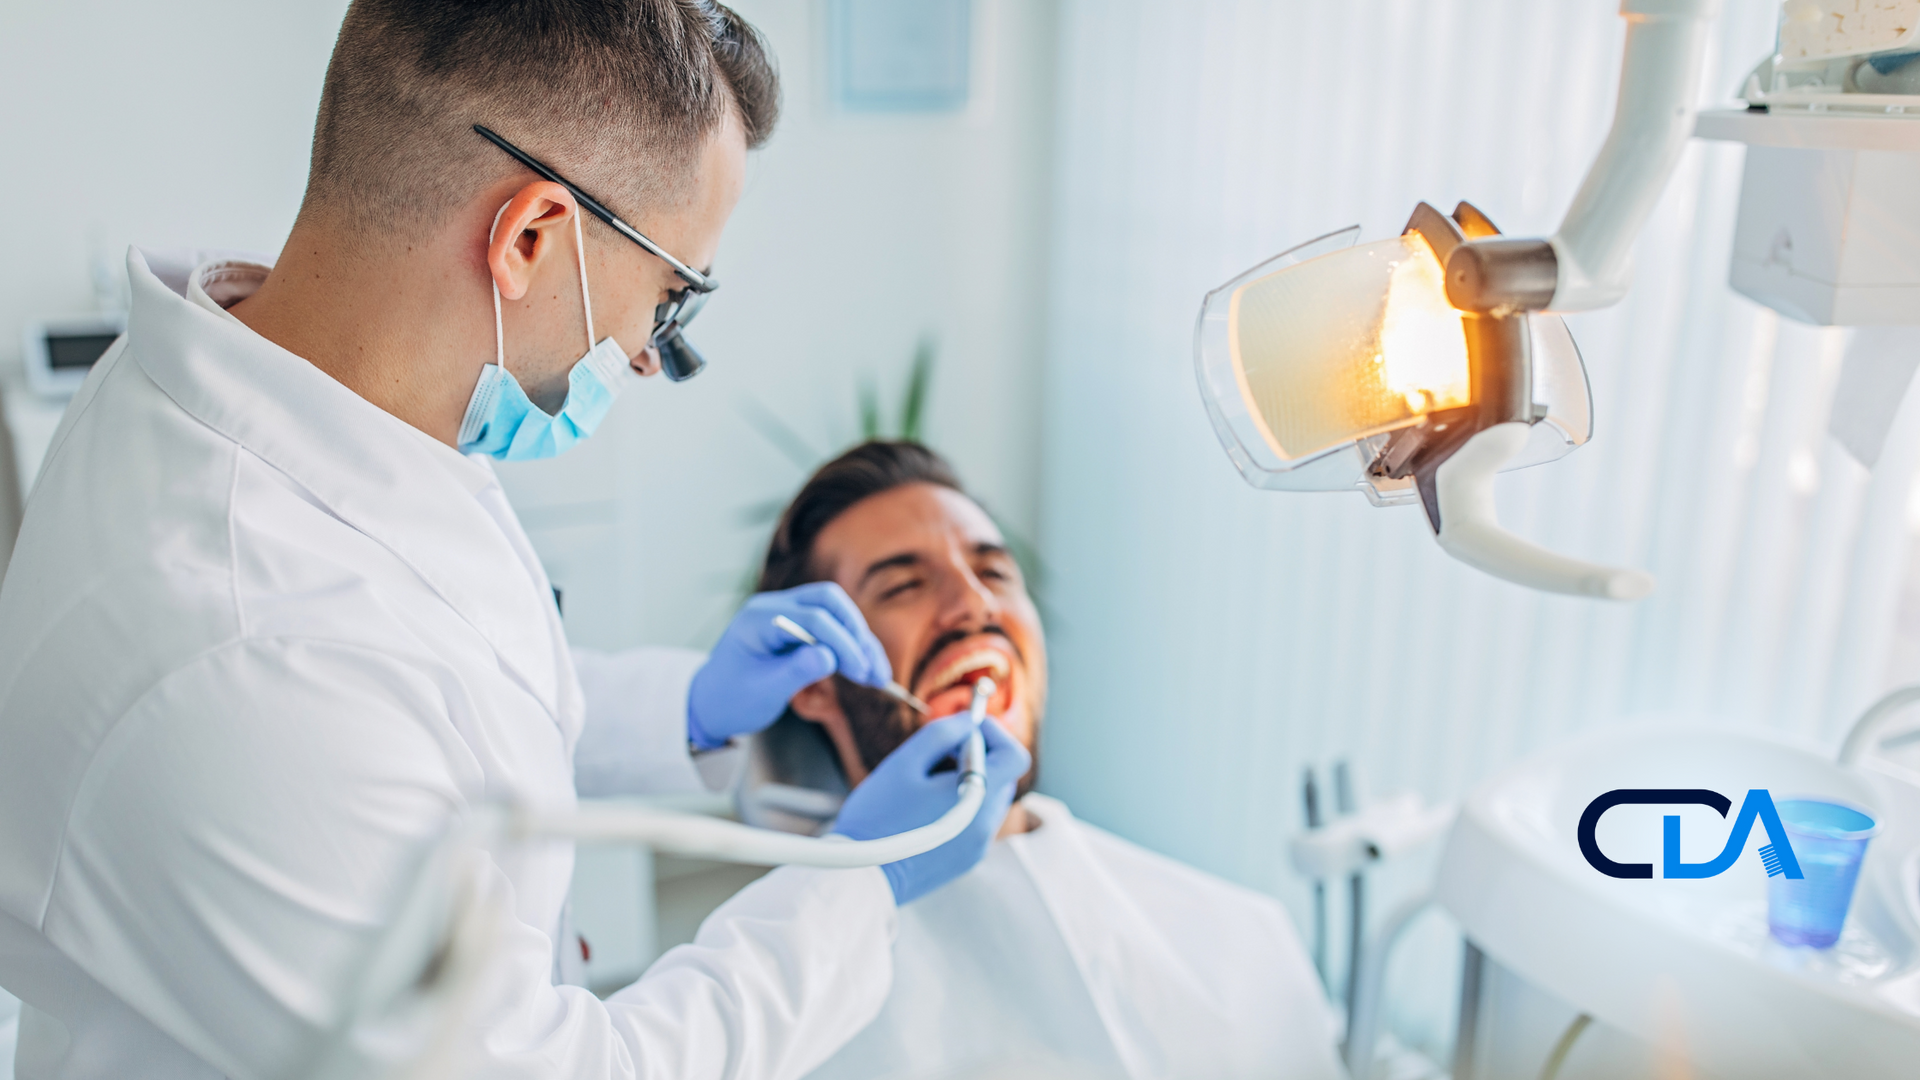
647 363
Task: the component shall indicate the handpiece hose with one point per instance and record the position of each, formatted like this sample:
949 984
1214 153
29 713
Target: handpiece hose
703 837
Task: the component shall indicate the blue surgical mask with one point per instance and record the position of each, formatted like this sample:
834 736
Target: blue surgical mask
503 423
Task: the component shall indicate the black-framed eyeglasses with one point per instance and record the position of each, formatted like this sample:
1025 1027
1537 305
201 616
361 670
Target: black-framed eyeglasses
678 358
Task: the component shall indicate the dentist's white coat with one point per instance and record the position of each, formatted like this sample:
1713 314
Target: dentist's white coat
259 639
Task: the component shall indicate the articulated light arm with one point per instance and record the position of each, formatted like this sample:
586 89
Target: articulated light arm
1588 264
1659 78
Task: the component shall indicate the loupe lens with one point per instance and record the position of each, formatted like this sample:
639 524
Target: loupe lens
679 359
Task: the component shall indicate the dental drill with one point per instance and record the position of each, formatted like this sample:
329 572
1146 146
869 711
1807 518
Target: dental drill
977 709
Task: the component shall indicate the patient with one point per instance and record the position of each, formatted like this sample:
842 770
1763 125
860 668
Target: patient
1068 952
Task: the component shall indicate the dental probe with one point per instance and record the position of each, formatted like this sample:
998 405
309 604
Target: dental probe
892 689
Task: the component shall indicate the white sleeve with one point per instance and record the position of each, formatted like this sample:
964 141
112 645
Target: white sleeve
635 738
239 840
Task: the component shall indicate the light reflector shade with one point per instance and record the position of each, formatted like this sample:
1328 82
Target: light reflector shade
1348 345
1310 360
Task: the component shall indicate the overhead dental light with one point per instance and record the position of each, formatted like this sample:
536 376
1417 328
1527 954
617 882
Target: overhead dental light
1419 367
1334 367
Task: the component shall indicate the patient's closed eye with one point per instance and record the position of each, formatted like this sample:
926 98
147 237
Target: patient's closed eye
997 565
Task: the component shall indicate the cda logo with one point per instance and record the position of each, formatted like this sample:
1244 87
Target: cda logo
1776 856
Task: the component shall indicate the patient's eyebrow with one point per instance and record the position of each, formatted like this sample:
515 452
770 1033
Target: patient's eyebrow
905 558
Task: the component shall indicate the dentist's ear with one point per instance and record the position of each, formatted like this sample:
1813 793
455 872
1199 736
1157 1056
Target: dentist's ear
526 233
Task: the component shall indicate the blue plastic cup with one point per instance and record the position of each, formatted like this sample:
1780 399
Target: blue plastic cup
1829 840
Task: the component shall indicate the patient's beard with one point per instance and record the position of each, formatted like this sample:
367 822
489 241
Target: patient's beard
879 724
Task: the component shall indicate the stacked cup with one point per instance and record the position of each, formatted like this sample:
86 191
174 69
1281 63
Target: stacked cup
1829 840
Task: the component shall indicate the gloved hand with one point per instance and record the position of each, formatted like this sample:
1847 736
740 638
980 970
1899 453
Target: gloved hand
757 667
905 793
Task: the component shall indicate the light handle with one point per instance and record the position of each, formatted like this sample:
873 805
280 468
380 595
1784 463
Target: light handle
1469 528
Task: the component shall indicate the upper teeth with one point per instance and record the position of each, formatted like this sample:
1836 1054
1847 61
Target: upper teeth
991 661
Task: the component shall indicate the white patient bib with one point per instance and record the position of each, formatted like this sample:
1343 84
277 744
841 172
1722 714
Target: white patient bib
1071 954
959 1008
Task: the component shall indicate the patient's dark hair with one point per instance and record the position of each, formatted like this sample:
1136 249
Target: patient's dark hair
866 470
619 96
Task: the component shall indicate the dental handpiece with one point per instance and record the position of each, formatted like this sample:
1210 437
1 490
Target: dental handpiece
892 689
973 756
982 693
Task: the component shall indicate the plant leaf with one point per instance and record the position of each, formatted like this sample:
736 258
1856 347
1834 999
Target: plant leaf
913 410
775 430
869 410
764 512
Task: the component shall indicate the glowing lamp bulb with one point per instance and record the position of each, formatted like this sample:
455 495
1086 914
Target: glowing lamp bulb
1348 345
1423 351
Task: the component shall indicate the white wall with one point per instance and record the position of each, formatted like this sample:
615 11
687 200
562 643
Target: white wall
165 124
857 235
187 124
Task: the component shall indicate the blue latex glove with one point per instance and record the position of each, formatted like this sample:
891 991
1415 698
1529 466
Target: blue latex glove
905 793
756 667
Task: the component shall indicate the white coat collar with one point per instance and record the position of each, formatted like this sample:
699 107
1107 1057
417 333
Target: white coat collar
372 470
218 284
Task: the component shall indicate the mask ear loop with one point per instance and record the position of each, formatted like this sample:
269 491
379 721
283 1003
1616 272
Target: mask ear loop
499 335
580 249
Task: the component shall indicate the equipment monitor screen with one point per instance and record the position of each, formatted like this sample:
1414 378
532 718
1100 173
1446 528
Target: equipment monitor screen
76 351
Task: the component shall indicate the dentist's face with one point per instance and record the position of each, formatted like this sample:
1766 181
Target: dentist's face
936 583
542 313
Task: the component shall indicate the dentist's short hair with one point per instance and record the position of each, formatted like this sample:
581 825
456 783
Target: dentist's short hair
864 471
619 96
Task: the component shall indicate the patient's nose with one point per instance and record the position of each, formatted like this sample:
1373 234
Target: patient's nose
964 598
969 602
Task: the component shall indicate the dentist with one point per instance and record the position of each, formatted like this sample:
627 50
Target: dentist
271 623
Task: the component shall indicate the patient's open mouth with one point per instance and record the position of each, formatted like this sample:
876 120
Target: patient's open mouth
947 685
